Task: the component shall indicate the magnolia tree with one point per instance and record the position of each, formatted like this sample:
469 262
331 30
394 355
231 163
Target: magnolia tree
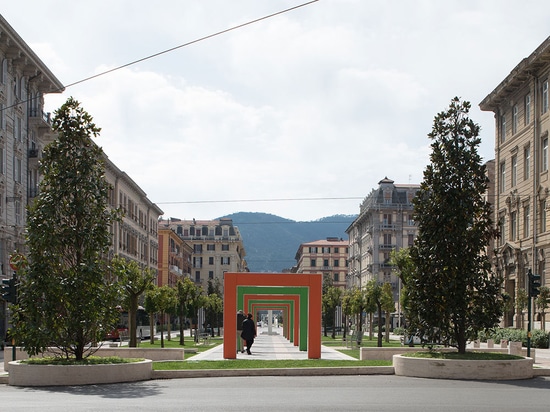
452 294
65 297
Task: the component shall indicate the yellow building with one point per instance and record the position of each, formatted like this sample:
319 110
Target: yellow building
174 260
328 256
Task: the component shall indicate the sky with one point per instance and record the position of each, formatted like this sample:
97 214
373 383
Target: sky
299 115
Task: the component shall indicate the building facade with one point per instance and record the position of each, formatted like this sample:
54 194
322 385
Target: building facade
520 104
328 256
174 261
217 247
136 236
24 129
385 223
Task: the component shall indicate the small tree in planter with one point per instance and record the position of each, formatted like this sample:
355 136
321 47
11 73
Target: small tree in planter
65 298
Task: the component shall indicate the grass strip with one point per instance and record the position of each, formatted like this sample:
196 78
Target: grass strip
467 356
264 364
91 360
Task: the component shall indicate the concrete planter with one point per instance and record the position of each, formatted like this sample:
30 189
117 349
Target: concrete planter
22 374
463 369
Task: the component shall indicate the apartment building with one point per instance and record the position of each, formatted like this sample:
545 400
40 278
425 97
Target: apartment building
24 79
136 236
520 104
217 247
327 256
174 261
384 223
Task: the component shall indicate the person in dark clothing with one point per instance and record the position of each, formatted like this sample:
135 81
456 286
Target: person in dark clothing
249 332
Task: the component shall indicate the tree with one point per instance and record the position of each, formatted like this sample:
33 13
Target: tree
522 301
332 298
184 290
541 302
133 281
380 298
452 294
388 306
404 266
65 297
161 300
215 307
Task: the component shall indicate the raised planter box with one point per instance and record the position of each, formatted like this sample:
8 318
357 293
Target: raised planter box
123 352
463 369
22 374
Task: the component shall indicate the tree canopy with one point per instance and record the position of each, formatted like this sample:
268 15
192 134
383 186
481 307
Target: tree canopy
65 299
451 294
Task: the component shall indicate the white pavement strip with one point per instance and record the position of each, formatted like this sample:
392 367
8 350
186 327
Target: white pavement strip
268 347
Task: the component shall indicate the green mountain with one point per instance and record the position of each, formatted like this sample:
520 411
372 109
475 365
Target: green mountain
271 242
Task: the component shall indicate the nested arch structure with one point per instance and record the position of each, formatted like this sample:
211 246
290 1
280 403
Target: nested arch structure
240 287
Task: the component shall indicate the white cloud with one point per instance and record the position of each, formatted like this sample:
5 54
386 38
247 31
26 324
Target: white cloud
323 101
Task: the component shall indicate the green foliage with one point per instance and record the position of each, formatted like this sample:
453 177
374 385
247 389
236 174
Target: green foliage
451 293
539 338
133 281
161 300
65 299
332 298
90 360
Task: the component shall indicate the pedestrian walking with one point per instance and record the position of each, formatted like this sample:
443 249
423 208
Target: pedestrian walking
249 332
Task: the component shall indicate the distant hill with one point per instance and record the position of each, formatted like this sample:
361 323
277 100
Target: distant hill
271 242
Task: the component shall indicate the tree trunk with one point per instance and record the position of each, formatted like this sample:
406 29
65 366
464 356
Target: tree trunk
152 328
132 314
379 344
182 340
387 334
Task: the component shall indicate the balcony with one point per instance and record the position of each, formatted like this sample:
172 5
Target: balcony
386 247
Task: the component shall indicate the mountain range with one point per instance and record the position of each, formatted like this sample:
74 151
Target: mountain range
271 241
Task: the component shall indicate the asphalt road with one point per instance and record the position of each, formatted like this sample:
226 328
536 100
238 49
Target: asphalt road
334 393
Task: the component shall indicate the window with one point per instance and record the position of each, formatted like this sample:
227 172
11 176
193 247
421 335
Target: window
502 182
211 247
2 117
387 239
543 216
312 249
211 260
17 169
526 161
544 154
503 128
336 262
210 274
197 262
225 247
197 248
336 250
4 74
197 276
225 260
387 219
502 228
545 96
526 219
2 160
336 277
527 109
514 170
326 249
313 262
18 212
513 226
410 239
515 119
325 263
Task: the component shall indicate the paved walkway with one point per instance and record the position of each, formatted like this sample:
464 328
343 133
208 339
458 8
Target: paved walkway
268 347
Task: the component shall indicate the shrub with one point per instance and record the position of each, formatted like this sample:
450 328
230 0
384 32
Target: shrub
539 338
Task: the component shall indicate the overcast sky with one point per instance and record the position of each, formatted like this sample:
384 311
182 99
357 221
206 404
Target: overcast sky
317 103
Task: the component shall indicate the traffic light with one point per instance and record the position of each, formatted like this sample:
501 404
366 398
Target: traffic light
9 290
534 285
